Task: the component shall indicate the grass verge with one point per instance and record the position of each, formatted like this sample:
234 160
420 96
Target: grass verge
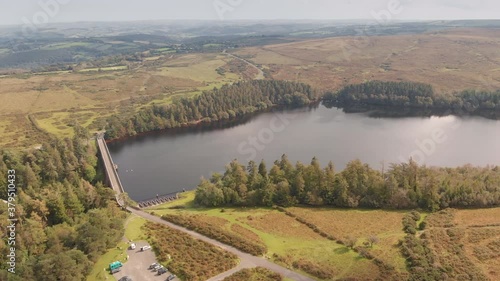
255 274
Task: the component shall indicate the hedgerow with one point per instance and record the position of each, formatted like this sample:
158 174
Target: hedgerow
218 234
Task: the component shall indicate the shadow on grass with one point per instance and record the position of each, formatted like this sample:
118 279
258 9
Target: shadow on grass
341 251
358 258
194 208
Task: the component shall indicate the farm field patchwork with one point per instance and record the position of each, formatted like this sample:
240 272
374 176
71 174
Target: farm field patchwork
293 244
360 225
470 61
288 241
58 99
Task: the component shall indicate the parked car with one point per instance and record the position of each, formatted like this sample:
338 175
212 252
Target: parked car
115 267
113 271
125 278
144 248
132 246
153 265
171 277
162 271
157 267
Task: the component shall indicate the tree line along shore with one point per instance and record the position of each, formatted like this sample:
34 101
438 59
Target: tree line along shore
243 98
401 186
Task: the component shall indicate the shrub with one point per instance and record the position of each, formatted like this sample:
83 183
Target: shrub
350 242
410 222
218 234
192 259
313 269
422 225
363 252
258 273
415 215
420 259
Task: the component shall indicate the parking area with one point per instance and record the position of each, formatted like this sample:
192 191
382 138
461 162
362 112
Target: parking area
137 266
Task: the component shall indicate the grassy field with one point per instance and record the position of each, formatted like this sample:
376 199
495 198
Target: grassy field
361 224
449 60
62 123
193 68
57 100
293 244
100 270
65 45
133 229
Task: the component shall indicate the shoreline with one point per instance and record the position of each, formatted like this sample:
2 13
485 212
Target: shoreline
201 125
372 111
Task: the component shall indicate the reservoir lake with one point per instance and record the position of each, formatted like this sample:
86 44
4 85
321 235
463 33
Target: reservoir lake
173 160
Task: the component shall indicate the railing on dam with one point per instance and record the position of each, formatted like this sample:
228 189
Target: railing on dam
159 199
111 174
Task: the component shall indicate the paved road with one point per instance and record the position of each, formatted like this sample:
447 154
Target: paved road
247 260
260 75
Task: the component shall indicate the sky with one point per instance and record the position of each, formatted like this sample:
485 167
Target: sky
53 11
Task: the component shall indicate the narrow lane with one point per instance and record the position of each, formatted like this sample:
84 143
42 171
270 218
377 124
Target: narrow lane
260 74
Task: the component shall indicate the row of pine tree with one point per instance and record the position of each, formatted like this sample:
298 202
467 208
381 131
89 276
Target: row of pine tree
400 186
226 103
409 94
66 217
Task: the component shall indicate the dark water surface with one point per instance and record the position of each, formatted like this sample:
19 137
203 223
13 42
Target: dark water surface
167 162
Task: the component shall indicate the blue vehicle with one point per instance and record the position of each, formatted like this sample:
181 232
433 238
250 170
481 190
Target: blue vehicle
115 267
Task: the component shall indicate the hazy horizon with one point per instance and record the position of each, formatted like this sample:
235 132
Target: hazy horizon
245 21
73 11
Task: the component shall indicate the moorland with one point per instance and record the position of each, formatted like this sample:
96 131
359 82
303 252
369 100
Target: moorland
65 84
